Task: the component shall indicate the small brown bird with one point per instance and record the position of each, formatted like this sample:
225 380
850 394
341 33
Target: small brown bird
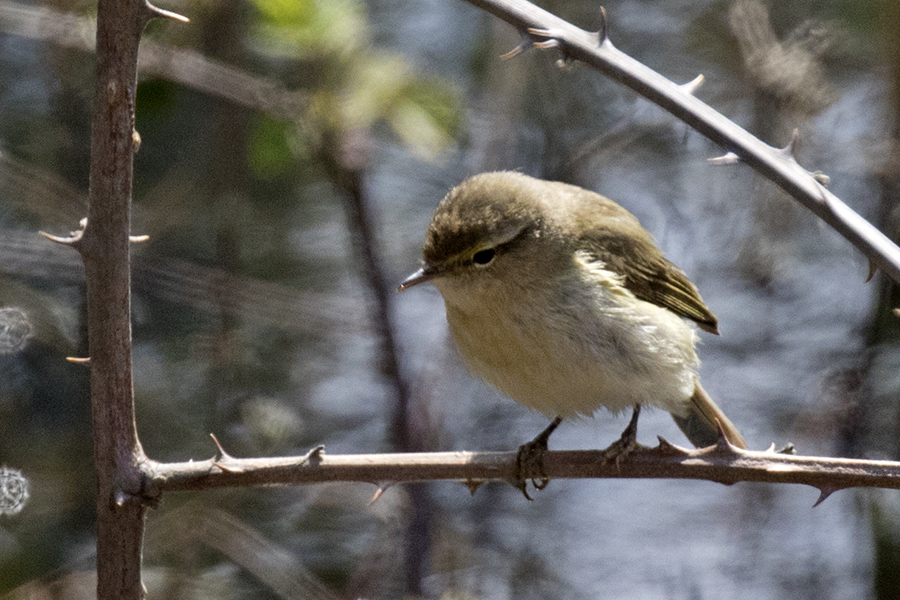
559 298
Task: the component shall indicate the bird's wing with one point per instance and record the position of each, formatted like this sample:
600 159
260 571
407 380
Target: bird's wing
629 251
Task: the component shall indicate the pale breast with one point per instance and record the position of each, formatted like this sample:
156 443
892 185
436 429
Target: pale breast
596 346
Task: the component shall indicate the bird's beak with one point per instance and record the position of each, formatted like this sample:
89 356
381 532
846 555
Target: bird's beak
424 274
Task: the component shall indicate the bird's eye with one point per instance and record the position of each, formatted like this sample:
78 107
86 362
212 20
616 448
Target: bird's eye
483 257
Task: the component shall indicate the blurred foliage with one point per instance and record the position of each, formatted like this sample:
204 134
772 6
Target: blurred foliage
357 85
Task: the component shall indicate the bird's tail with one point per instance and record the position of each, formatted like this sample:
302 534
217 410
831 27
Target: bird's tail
700 423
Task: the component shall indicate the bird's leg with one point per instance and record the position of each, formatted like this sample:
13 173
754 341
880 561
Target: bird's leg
530 460
627 443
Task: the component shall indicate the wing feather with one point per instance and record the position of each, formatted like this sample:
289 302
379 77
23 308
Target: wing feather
627 249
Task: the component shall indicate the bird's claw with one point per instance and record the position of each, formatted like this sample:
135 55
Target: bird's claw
627 442
530 466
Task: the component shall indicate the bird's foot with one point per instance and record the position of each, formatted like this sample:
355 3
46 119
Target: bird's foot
626 444
530 461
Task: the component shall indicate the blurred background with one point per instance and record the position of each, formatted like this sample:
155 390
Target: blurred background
292 153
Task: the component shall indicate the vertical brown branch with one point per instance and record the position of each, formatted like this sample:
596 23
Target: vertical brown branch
105 250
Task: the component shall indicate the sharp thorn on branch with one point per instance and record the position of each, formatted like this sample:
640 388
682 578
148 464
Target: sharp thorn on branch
723 445
667 447
821 178
121 498
603 34
788 449
135 141
382 488
137 239
824 493
821 181
873 268
537 31
68 241
74 238
722 439
896 312
473 485
693 85
729 158
78 360
547 44
790 150
315 454
220 451
549 36
526 43
156 12
225 468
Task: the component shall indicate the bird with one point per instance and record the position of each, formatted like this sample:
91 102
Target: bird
560 299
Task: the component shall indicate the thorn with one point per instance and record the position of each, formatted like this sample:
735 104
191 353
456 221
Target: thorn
155 12
135 141
473 484
896 312
788 449
74 239
224 468
315 454
722 439
691 86
382 488
86 361
821 178
546 44
729 158
723 446
824 493
789 150
549 42
220 451
603 34
137 239
526 43
873 268
121 498
667 447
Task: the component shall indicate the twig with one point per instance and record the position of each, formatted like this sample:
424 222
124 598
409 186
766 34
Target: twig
596 51
722 463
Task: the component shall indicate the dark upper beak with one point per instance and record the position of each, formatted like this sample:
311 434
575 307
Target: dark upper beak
424 274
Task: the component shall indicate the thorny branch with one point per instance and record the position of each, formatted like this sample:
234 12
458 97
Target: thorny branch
543 30
722 463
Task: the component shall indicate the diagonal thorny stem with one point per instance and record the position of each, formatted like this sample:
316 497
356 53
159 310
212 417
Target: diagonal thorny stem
545 30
